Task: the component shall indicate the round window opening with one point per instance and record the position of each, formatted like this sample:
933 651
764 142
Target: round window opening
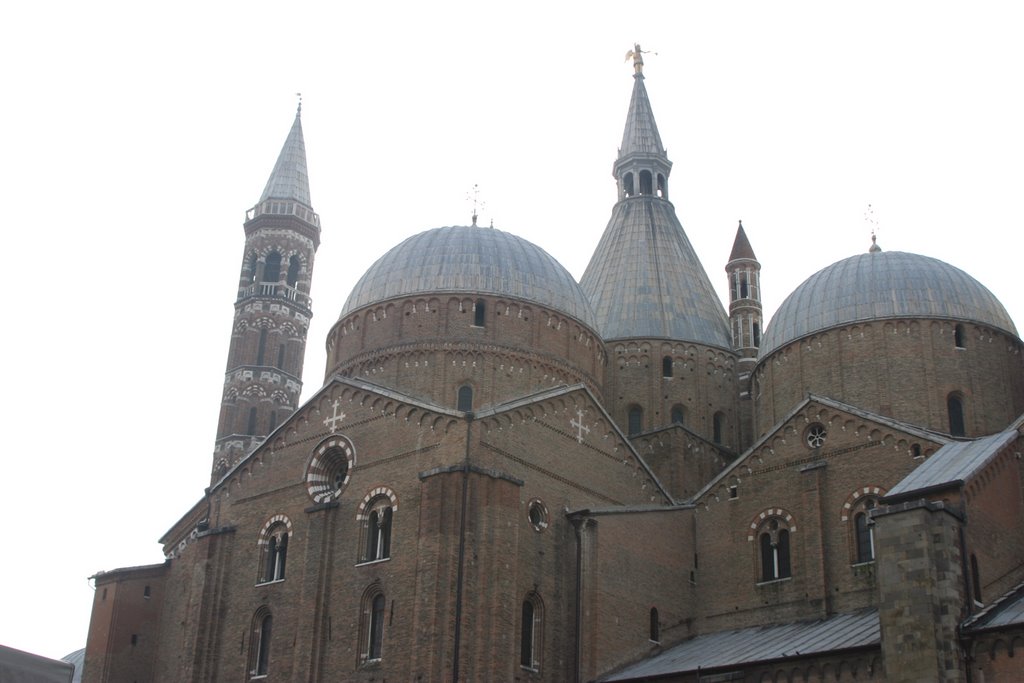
329 470
816 434
538 515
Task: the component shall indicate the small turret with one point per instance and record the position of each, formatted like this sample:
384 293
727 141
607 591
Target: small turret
745 316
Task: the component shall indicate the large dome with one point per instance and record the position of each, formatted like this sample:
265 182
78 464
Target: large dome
471 260
884 284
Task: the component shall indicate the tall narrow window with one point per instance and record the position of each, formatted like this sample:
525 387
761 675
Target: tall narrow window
252 422
646 183
955 407
465 399
636 420
975 579
375 632
666 366
479 313
662 188
716 427
280 355
293 270
530 634
260 647
744 287
865 533
253 263
958 337
378 532
277 553
655 626
757 335
261 347
627 185
272 267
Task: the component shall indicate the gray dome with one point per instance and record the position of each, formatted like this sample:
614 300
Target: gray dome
887 284
471 260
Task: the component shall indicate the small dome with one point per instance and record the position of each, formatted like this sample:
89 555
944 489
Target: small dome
471 260
878 285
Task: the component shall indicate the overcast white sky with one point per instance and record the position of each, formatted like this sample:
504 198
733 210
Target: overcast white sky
135 136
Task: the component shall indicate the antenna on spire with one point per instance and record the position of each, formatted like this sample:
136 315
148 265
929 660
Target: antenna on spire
637 56
474 196
869 218
298 112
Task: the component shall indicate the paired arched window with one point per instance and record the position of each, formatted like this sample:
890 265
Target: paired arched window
372 626
531 632
377 529
259 644
464 401
773 540
274 549
636 420
955 407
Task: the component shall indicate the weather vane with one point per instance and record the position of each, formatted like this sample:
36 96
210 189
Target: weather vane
637 56
299 111
474 196
871 220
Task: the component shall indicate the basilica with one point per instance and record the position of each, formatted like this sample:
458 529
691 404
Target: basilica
511 475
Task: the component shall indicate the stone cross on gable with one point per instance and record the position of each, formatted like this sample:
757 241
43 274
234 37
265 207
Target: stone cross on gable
334 420
580 427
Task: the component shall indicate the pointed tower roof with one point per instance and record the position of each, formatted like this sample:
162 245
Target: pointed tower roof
289 179
644 279
741 248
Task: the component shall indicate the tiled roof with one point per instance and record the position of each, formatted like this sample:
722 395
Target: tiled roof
641 133
954 462
741 246
734 649
884 284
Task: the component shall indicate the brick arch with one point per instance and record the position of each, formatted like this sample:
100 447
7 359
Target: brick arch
856 495
374 494
760 518
264 536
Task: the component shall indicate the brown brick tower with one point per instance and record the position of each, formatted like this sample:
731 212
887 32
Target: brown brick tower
745 318
272 312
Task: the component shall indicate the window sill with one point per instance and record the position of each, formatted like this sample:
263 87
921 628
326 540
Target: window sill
269 583
865 563
363 563
531 669
772 582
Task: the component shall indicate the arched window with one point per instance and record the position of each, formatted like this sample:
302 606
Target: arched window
864 532
662 188
530 633
775 560
975 579
655 626
716 427
259 644
465 399
372 627
377 529
251 268
955 406
958 337
666 366
479 313
757 335
744 290
678 415
261 347
627 185
293 270
272 267
276 555
636 420
646 183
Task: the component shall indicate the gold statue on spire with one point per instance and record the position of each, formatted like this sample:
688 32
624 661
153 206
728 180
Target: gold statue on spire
638 58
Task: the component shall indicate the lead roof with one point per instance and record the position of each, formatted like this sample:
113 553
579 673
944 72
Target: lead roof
289 180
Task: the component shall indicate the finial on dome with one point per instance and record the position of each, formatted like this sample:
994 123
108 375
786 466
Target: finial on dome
474 196
298 112
874 249
869 217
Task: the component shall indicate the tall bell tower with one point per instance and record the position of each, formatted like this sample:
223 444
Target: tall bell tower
273 308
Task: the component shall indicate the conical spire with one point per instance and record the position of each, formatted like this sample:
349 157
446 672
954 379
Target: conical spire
644 279
289 180
741 246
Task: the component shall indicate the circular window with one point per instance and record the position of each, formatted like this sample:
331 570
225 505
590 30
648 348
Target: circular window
329 469
538 515
816 434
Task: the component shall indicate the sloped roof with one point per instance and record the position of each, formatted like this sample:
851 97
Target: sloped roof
878 285
1006 611
289 180
645 280
729 649
640 135
471 260
955 462
741 248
